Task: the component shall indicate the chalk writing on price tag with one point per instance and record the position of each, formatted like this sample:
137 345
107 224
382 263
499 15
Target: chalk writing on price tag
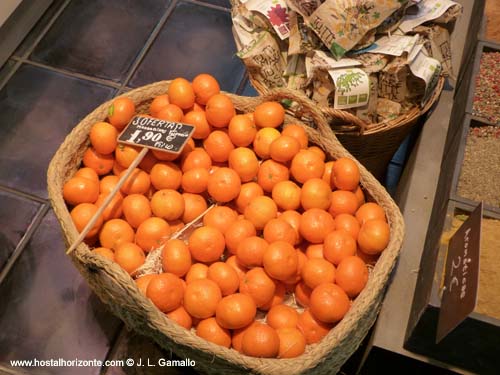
461 275
157 134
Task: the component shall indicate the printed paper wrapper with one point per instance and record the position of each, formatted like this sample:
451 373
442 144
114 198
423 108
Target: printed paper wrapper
352 88
275 11
302 39
431 10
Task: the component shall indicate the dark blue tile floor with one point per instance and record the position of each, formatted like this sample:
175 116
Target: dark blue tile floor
78 55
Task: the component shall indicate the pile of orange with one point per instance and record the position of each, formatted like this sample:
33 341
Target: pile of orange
289 225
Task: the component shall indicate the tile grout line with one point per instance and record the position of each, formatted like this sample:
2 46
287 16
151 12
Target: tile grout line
115 345
149 42
208 5
24 240
23 194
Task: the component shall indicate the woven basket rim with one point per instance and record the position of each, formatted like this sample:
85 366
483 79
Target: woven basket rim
63 165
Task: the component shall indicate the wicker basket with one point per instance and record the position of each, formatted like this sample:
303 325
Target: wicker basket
375 144
117 289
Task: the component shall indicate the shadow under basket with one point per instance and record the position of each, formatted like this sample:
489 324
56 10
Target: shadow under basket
117 289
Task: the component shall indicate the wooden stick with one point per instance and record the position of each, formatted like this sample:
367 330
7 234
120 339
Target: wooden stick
108 199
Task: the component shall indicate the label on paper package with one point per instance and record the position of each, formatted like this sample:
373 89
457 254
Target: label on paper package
395 45
352 88
157 134
428 69
276 12
427 10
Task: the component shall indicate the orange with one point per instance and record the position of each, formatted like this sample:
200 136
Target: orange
312 329
244 161
194 206
235 265
329 303
224 185
292 342
166 175
270 173
181 93
352 275
278 297
175 257
374 236
261 341
287 195
316 193
327 174
235 311
257 284
315 224
81 216
143 282
165 291
196 272
136 209
80 190
348 223
369 211
358 192
367 258
236 232
241 131
298 132
317 271
206 244
284 148
318 151
204 86
171 112
181 317
165 155
121 112
114 209
218 146
269 115
225 277
195 180
279 230
175 225
210 330
302 294
103 137
87 173
201 298
315 251
248 191
199 120
168 204
115 232
338 245
105 252
101 163
295 278
158 104
117 168
343 202
219 110
250 251
280 260
152 233
307 164
125 154
148 162
260 210
220 217
292 217
345 174
129 256
137 183
282 316
263 140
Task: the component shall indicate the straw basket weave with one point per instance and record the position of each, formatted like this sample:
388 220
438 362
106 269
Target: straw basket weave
375 144
117 289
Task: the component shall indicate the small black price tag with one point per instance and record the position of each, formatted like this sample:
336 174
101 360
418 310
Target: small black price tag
461 275
157 134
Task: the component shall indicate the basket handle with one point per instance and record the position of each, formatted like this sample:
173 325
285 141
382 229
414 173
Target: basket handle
319 114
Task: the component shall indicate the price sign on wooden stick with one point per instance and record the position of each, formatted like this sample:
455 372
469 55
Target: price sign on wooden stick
147 132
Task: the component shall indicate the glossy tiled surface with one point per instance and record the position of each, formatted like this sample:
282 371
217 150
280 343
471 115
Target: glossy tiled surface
38 108
99 38
194 40
51 312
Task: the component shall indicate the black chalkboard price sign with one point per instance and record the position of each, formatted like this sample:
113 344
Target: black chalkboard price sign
158 134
